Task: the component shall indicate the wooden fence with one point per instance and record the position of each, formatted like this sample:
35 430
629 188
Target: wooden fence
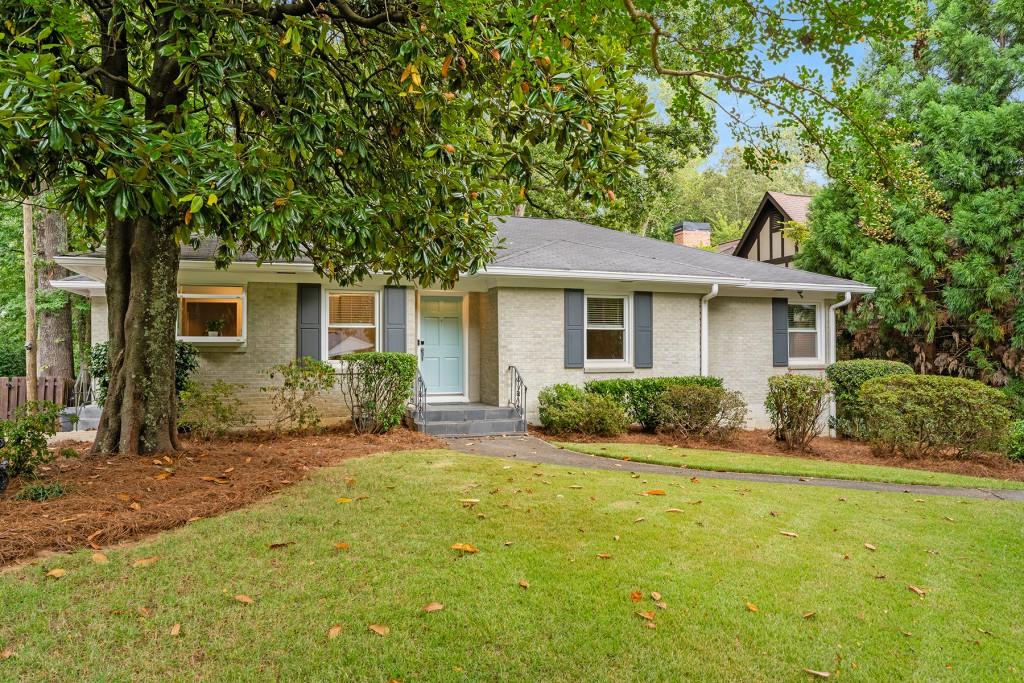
12 392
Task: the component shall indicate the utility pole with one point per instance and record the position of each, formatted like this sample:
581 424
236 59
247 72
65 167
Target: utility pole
31 372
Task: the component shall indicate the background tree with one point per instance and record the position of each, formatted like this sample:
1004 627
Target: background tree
369 136
12 293
949 263
55 342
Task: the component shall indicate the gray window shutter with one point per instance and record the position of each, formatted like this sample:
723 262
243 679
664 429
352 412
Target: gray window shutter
308 343
394 319
780 332
574 328
643 329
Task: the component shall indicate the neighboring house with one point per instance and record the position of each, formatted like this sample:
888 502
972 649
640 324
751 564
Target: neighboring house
765 238
561 302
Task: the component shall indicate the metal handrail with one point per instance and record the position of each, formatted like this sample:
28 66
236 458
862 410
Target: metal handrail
419 400
517 393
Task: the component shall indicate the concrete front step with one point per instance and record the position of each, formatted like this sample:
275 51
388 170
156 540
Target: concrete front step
470 419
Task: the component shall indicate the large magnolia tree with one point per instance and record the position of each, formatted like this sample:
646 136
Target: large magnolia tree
371 136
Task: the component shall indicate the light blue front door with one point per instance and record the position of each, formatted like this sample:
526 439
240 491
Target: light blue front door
441 359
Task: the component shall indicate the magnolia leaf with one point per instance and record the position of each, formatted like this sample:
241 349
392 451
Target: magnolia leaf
244 599
57 573
99 558
334 631
465 548
649 616
341 546
791 534
433 607
636 596
145 561
523 583
919 591
819 674
661 604
6 653
808 615
343 499
751 607
674 510
175 630
655 595
605 556
278 546
870 547
380 629
654 492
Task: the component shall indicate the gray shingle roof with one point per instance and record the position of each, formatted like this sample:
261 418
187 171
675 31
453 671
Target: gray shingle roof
555 244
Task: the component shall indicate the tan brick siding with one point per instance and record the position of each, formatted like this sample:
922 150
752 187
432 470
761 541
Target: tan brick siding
487 323
98 319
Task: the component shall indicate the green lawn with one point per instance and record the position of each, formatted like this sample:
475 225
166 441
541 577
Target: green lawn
576 621
728 461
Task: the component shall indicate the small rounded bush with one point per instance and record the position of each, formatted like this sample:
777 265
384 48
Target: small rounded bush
846 378
795 404
933 415
700 411
566 409
1015 442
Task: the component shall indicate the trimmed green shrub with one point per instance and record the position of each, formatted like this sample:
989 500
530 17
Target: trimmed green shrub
933 415
1015 441
377 386
700 411
41 492
847 377
302 382
565 408
553 399
25 437
186 361
795 404
213 410
638 396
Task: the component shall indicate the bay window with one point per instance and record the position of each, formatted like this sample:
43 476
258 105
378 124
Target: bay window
351 323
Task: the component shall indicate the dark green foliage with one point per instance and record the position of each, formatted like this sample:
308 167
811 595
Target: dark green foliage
638 396
295 399
948 262
186 362
1014 445
25 438
377 386
1015 395
846 378
209 411
565 409
694 410
933 415
12 361
795 404
40 492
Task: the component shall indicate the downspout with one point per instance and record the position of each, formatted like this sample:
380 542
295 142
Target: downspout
830 357
704 327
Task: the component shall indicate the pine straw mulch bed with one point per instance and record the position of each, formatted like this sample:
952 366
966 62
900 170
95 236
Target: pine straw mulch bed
761 441
116 499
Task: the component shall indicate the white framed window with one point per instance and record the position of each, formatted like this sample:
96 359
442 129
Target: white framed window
211 313
351 323
606 334
805 338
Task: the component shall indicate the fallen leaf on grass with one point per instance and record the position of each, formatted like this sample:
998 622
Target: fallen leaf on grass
808 615
915 589
661 605
636 596
6 653
343 499
465 548
870 547
282 544
791 534
145 561
380 629
431 607
605 556
341 546
244 599
655 595
469 502
751 607
654 492
146 612
99 558
175 630
524 583
57 572
819 674
649 616
334 631
639 519
674 510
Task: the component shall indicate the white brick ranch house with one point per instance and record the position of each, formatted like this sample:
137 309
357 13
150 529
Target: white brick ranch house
562 302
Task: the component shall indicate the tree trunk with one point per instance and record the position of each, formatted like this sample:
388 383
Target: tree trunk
140 410
55 357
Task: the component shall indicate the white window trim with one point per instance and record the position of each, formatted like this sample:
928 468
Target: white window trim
206 339
819 318
627 333
325 326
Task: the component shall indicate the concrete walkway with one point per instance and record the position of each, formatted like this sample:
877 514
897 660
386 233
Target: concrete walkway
532 449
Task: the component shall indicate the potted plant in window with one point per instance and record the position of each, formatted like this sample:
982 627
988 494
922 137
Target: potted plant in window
214 327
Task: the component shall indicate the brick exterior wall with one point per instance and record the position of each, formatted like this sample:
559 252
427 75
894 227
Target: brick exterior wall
531 336
98 319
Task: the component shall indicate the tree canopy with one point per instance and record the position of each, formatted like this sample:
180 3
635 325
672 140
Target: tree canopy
949 262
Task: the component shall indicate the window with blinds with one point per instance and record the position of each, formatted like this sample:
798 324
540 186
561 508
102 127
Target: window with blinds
351 323
803 331
606 328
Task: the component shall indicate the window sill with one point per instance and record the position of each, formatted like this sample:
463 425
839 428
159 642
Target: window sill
213 341
809 364
595 369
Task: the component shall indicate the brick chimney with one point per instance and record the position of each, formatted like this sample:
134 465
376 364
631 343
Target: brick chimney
691 234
